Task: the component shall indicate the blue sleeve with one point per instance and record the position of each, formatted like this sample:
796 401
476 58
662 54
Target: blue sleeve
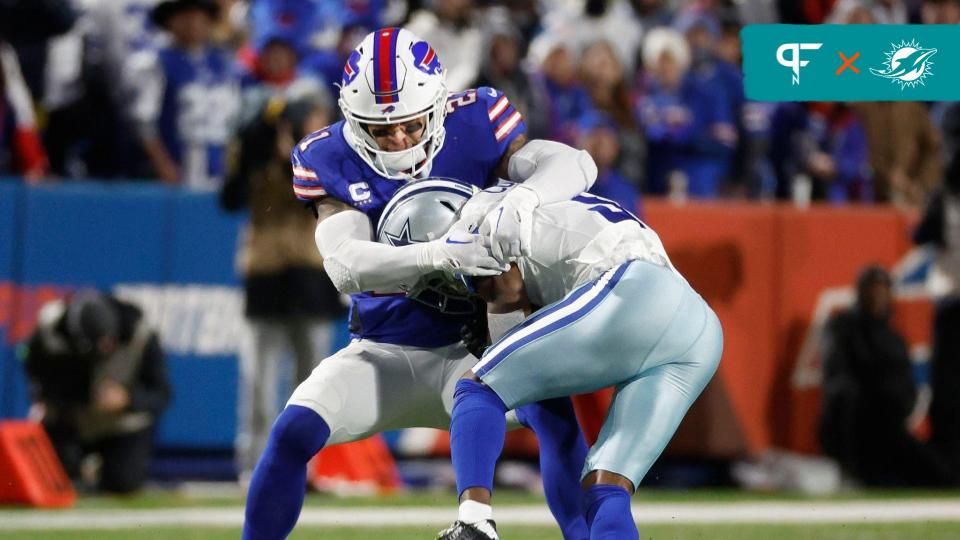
505 123
307 159
481 124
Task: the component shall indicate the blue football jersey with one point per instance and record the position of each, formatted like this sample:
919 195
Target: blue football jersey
199 100
480 125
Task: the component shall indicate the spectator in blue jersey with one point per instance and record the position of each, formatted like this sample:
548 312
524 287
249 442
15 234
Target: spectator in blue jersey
703 31
559 96
401 124
194 98
687 124
751 170
753 157
825 143
708 35
788 125
598 136
292 40
279 38
839 162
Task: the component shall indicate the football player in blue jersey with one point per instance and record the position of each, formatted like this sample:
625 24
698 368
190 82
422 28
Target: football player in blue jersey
404 360
615 313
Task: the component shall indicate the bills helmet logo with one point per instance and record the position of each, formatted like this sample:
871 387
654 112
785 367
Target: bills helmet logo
351 68
425 58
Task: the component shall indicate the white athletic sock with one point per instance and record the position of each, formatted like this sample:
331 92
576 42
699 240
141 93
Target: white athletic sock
473 511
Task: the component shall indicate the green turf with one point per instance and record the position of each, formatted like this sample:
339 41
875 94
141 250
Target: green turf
890 531
171 499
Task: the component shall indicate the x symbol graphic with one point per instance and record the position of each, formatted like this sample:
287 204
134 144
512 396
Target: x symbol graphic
848 62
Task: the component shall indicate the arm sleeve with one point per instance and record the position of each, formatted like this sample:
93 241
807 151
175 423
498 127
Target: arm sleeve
553 171
355 263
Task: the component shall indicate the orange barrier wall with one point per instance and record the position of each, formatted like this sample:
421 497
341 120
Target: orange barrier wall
762 269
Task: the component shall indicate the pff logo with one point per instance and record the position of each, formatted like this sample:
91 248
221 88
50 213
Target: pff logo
794 62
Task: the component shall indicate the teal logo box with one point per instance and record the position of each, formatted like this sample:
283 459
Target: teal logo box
831 62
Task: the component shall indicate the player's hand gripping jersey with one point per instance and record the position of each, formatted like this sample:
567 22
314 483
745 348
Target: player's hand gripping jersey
480 125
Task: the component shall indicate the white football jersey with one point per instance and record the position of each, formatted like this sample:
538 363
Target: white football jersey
574 242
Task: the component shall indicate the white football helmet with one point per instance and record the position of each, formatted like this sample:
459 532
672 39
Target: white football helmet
422 211
393 76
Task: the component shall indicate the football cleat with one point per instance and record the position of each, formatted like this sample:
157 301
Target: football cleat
481 530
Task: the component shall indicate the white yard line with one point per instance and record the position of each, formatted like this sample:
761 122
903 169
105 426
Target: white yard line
735 512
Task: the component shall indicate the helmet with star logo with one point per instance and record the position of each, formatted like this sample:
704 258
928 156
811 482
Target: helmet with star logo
422 211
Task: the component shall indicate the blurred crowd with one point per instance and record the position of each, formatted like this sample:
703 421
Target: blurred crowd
150 89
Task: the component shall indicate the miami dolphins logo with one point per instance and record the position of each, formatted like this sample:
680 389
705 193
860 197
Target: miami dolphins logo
907 64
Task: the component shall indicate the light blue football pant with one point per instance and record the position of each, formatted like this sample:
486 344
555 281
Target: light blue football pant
640 327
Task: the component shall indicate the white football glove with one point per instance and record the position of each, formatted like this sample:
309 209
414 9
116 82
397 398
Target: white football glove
509 226
459 252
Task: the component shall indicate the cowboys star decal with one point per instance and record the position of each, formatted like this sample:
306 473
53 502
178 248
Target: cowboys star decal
403 239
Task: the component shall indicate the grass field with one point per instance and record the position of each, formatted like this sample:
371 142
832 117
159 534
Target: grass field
188 516
893 531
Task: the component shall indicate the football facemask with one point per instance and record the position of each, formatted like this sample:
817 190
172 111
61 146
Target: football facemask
393 77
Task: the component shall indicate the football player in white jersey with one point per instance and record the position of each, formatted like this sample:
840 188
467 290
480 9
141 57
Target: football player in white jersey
404 359
595 303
